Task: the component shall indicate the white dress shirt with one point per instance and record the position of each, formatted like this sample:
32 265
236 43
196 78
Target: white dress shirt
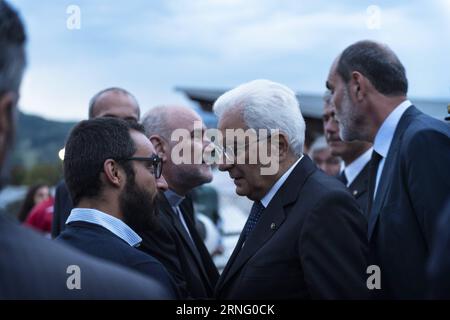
175 200
354 168
269 195
114 225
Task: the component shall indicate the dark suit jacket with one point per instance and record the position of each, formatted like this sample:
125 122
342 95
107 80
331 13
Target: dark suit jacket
439 262
310 243
413 188
32 267
359 189
61 209
102 243
192 267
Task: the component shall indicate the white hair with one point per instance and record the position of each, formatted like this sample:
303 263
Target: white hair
318 145
266 105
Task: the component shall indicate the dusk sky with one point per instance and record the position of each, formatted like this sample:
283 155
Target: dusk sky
150 47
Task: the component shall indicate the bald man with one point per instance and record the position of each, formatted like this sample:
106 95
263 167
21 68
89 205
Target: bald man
177 244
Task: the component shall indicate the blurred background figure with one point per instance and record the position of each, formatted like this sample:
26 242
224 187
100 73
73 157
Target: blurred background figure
207 219
35 195
320 153
41 216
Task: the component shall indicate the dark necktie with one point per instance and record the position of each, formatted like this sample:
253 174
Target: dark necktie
253 218
343 177
373 169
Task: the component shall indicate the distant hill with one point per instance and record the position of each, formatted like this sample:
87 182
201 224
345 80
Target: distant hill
38 140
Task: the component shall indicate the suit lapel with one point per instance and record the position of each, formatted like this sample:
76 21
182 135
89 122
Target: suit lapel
165 206
359 186
389 168
206 263
271 219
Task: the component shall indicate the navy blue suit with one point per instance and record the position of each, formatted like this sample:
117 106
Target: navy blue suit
102 243
439 262
32 267
310 243
414 186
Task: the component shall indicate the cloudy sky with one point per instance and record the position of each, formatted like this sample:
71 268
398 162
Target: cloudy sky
150 47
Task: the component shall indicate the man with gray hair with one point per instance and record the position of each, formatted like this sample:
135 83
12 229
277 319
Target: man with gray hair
305 236
409 175
177 244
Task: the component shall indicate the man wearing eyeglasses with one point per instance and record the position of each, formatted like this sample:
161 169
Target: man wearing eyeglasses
177 243
305 236
113 175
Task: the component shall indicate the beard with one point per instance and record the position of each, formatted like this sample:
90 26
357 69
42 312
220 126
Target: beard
139 207
349 129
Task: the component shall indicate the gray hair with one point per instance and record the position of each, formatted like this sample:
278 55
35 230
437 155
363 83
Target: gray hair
266 105
318 145
155 122
378 63
12 49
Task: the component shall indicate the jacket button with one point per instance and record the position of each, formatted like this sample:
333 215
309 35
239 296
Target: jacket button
273 226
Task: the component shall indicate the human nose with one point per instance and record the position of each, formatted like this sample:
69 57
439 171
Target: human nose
161 183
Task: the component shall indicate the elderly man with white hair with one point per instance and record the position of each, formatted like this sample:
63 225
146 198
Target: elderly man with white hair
305 237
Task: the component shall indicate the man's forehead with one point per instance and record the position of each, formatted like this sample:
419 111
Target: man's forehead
115 104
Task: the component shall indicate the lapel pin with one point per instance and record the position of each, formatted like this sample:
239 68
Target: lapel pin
355 192
273 226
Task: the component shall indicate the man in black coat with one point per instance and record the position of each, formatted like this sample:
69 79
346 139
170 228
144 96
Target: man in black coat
409 179
305 236
355 156
177 243
32 267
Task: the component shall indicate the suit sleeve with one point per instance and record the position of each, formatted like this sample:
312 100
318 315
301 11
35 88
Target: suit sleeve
428 177
333 249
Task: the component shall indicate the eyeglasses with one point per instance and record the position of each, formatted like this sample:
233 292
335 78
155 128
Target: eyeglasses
154 162
231 153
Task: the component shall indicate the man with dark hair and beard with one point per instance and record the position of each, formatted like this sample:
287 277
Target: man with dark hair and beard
32 267
113 175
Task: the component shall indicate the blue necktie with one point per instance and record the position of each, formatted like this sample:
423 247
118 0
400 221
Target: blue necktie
253 218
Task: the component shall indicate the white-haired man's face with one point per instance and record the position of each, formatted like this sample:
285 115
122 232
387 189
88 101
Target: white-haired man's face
247 175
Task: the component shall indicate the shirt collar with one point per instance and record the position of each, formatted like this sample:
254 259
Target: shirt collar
174 198
269 195
114 225
354 168
386 132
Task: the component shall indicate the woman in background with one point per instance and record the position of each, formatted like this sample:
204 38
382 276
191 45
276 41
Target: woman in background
35 194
